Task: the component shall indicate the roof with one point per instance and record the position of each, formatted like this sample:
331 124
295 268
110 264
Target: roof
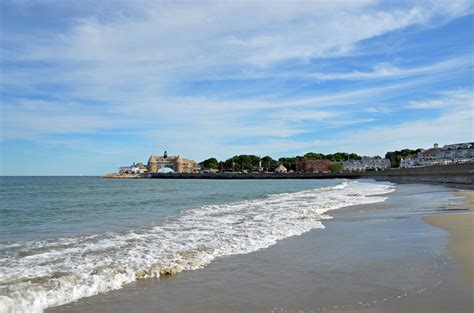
154 158
431 151
141 166
456 146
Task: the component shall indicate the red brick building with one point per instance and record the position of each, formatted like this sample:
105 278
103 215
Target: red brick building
313 166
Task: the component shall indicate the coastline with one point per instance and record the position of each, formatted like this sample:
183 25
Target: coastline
461 228
455 176
379 257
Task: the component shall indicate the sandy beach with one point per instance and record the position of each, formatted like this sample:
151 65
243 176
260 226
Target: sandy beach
461 228
371 258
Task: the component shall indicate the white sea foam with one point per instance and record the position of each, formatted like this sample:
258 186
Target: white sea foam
50 273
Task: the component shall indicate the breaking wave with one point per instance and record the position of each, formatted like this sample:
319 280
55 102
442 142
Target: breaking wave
42 274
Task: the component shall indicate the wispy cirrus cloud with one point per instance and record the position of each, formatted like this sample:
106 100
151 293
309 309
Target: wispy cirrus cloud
233 76
453 99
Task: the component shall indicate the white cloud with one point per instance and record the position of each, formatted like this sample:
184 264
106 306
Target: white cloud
448 100
389 71
456 124
131 61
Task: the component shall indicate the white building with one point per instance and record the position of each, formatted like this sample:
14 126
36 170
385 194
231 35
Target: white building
458 153
409 163
366 163
353 166
448 154
281 169
128 170
133 169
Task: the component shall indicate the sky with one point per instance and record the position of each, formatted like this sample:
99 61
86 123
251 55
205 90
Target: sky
87 86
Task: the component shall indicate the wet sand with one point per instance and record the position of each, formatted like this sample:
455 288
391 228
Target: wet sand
461 228
469 195
372 258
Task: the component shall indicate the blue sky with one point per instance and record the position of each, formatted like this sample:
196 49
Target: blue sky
87 86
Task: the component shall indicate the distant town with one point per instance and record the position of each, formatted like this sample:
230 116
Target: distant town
339 162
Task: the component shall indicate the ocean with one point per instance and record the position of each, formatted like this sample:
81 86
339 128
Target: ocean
65 238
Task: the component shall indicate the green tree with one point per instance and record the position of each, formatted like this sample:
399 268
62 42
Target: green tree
395 156
289 163
241 162
314 156
210 163
353 156
269 163
335 167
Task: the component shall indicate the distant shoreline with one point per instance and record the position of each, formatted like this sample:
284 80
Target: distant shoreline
459 175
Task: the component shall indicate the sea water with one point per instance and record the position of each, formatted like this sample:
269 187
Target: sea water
64 238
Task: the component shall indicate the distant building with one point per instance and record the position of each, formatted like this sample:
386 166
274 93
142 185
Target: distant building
138 168
176 163
448 154
408 163
313 166
141 168
281 169
430 156
366 163
459 152
376 163
353 166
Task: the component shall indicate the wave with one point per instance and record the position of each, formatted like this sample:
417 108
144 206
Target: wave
50 273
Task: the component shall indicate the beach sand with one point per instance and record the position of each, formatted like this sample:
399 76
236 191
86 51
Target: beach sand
461 228
371 258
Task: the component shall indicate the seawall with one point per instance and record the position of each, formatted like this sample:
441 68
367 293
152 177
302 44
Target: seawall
458 175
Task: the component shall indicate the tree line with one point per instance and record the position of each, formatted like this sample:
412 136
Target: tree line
249 162
396 156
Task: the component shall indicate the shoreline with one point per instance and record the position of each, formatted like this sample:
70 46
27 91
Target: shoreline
461 229
397 261
454 176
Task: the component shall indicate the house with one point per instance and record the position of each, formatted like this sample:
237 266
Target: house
366 163
142 169
448 154
353 166
408 163
430 156
458 153
281 169
132 169
375 163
